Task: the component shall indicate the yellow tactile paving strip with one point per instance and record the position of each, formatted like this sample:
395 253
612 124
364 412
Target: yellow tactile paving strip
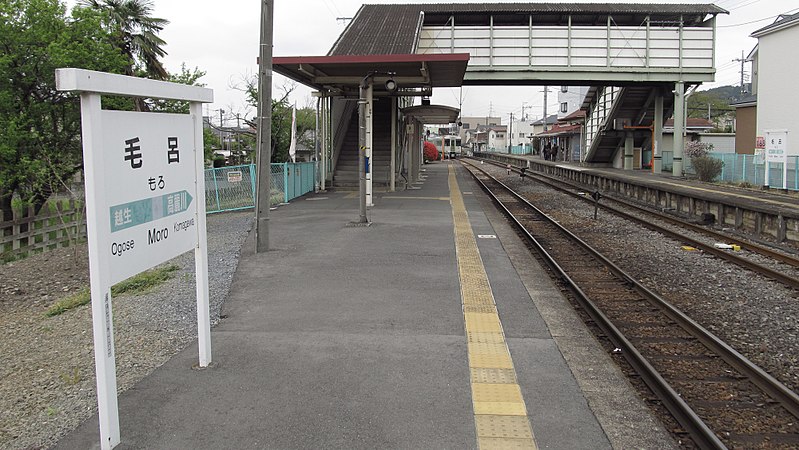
500 415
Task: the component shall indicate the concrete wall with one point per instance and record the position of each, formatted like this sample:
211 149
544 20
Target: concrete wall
722 142
777 95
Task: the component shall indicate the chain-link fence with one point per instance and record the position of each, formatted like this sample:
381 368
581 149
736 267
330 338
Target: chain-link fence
752 169
233 188
229 188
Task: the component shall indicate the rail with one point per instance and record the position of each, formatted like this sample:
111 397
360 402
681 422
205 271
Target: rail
545 240
788 279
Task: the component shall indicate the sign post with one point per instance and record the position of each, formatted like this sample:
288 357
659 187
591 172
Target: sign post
145 204
777 151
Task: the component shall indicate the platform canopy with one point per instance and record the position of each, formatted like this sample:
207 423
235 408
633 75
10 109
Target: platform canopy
345 72
432 114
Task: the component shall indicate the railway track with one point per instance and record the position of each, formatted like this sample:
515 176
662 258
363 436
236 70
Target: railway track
718 397
783 269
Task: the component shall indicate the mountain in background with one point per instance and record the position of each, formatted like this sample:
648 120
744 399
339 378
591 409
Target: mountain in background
714 105
729 93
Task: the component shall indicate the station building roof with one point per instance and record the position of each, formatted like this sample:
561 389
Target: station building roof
432 114
346 71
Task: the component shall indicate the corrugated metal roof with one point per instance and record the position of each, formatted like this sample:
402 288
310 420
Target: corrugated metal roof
392 29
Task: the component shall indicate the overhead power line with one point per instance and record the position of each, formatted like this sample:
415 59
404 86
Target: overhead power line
758 20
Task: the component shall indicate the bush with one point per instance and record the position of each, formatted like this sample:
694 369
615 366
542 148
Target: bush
697 149
430 152
707 168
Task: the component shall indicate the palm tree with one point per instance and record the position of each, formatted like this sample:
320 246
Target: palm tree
135 33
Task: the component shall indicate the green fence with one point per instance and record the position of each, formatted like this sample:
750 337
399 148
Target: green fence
747 169
752 169
521 150
233 188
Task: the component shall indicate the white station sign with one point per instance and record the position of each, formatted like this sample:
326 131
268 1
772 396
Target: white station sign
145 204
150 170
777 146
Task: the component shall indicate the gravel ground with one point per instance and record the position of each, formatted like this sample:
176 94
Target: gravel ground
47 364
756 316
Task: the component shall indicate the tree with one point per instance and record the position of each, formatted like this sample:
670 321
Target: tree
186 76
39 126
135 33
210 142
281 119
713 105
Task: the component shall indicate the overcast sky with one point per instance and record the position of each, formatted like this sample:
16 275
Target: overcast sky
221 38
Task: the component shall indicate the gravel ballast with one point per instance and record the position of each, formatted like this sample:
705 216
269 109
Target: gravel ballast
47 363
756 316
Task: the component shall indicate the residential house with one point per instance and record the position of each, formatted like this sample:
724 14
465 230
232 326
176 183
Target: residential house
471 123
497 138
570 99
745 125
566 134
775 57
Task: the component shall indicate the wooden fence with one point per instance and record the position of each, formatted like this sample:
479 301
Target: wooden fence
53 227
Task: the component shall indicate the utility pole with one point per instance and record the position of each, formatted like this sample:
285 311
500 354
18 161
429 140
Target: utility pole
546 91
742 60
264 178
524 106
221 132
510 135
236 135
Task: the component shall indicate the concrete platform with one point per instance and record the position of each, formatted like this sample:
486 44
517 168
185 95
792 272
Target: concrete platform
353 337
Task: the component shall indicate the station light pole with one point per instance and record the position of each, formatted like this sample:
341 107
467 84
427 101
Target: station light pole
363 163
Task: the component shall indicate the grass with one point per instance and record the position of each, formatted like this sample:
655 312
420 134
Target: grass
72 378
137 284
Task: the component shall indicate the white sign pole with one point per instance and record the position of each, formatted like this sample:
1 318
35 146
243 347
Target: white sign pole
201 251
777 151
767 177
102 316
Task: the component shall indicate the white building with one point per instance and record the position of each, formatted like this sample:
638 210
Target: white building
522 132
570 99
471 123
775 63
498 138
